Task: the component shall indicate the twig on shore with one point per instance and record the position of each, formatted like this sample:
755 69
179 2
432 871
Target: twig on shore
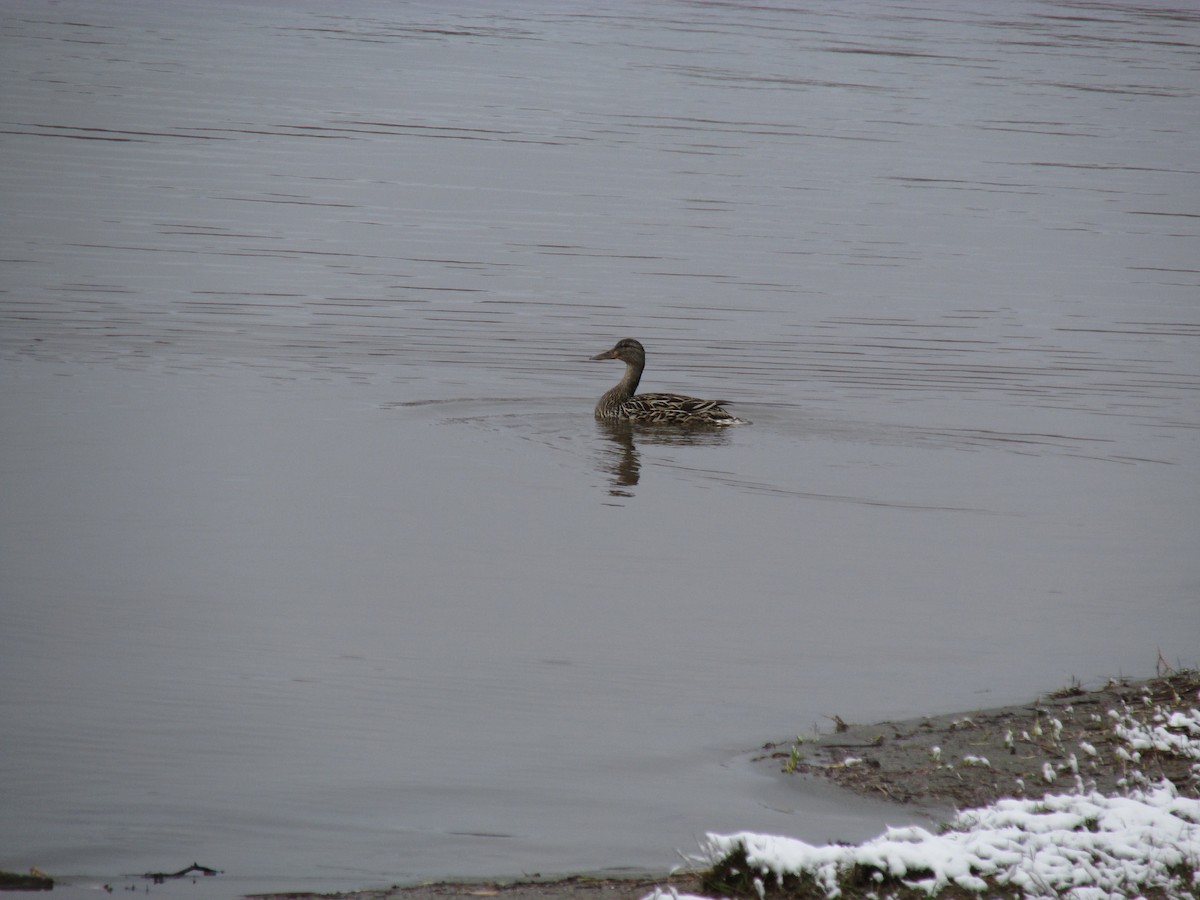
194 868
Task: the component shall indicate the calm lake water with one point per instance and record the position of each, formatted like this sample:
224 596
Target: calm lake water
314 565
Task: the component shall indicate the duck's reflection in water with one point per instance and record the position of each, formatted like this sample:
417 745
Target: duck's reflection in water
620 459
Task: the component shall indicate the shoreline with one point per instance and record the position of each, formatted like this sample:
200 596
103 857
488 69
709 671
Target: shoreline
971 759
1061 742
570 887
928 763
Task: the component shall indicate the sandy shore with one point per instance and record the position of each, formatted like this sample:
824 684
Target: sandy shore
578 887
1049 745
1028 750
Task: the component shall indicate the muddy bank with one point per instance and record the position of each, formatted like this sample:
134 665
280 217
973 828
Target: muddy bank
1055 744
34 881
579 887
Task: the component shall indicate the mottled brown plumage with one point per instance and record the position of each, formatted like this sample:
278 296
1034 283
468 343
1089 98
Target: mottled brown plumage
621 403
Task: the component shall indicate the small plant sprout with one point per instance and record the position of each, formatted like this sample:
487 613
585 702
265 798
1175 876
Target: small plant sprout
1008 741
794 756
1048 773
935 753
1087 748
977 761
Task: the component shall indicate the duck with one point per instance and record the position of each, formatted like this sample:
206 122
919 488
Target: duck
622 404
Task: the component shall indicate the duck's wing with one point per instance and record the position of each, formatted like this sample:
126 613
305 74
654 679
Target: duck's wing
677 409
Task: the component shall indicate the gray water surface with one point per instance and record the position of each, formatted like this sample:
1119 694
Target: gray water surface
314 565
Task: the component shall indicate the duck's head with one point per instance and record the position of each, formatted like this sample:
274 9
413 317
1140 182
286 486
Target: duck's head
627 350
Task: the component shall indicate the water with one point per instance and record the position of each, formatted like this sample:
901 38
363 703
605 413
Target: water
316 568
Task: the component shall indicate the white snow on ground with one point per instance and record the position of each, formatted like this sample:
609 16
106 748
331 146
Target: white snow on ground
1084 845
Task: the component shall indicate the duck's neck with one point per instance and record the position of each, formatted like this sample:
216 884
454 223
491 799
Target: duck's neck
612 399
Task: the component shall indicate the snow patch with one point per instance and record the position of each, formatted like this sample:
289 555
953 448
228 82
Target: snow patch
1047 848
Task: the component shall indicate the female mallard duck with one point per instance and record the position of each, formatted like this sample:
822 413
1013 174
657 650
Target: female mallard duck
653 409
